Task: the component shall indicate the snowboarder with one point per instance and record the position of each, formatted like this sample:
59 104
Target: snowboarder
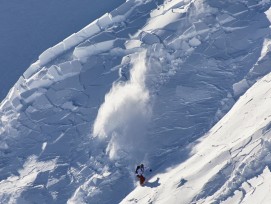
139 173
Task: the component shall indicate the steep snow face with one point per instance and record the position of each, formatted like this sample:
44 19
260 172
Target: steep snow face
141 83
229 165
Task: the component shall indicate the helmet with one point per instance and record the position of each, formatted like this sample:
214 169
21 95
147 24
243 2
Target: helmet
141 165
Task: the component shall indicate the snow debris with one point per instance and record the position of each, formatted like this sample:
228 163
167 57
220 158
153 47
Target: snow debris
194 42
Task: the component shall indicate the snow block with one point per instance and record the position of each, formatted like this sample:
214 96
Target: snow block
149 38
118 19
42 103
28 93
89 30
194 42
5 104
224 18
16 103
58 98
53 71
32 95
20 81
34 83
71 82
58 48
123 9
201 27
72 41
83 52
105 21
31 70
46 56
71 67
51 53
75 39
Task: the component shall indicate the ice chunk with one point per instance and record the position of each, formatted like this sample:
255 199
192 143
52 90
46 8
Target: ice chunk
53 71
201 28
16 103
194 42
133 44
46 56
33 96
71 67
71 82
28 93
31 70
83 52
149 38
42 103
5 104
105 21
69 106
72 41
89 30
34 83
51 53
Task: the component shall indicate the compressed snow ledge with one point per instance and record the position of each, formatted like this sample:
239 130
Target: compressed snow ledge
89 30
105 21
64 70
83 52
70 68
50 53
73 40
108 19
31 70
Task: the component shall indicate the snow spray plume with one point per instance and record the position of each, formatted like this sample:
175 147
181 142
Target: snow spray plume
122 118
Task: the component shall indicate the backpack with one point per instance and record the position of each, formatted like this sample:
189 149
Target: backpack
137 168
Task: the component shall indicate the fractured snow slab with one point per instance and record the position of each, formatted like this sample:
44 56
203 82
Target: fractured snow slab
82 53
26 176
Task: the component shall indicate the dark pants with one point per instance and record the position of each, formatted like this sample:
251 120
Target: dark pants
141 179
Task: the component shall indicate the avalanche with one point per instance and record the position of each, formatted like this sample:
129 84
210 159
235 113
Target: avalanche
180 85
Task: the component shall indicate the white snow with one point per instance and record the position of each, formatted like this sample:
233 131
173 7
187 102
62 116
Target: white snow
83 53
125 112
234 151
194 42
26 177
182 86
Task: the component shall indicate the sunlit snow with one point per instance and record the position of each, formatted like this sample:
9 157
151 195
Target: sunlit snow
182 86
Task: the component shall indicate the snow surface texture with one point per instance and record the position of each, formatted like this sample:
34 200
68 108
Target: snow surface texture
145 83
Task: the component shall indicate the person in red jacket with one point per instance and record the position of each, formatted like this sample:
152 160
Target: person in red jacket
139 174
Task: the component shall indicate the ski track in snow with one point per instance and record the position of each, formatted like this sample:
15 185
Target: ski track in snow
145 83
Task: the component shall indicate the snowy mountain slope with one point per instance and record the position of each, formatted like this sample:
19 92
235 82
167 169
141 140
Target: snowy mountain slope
230 163
142 83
